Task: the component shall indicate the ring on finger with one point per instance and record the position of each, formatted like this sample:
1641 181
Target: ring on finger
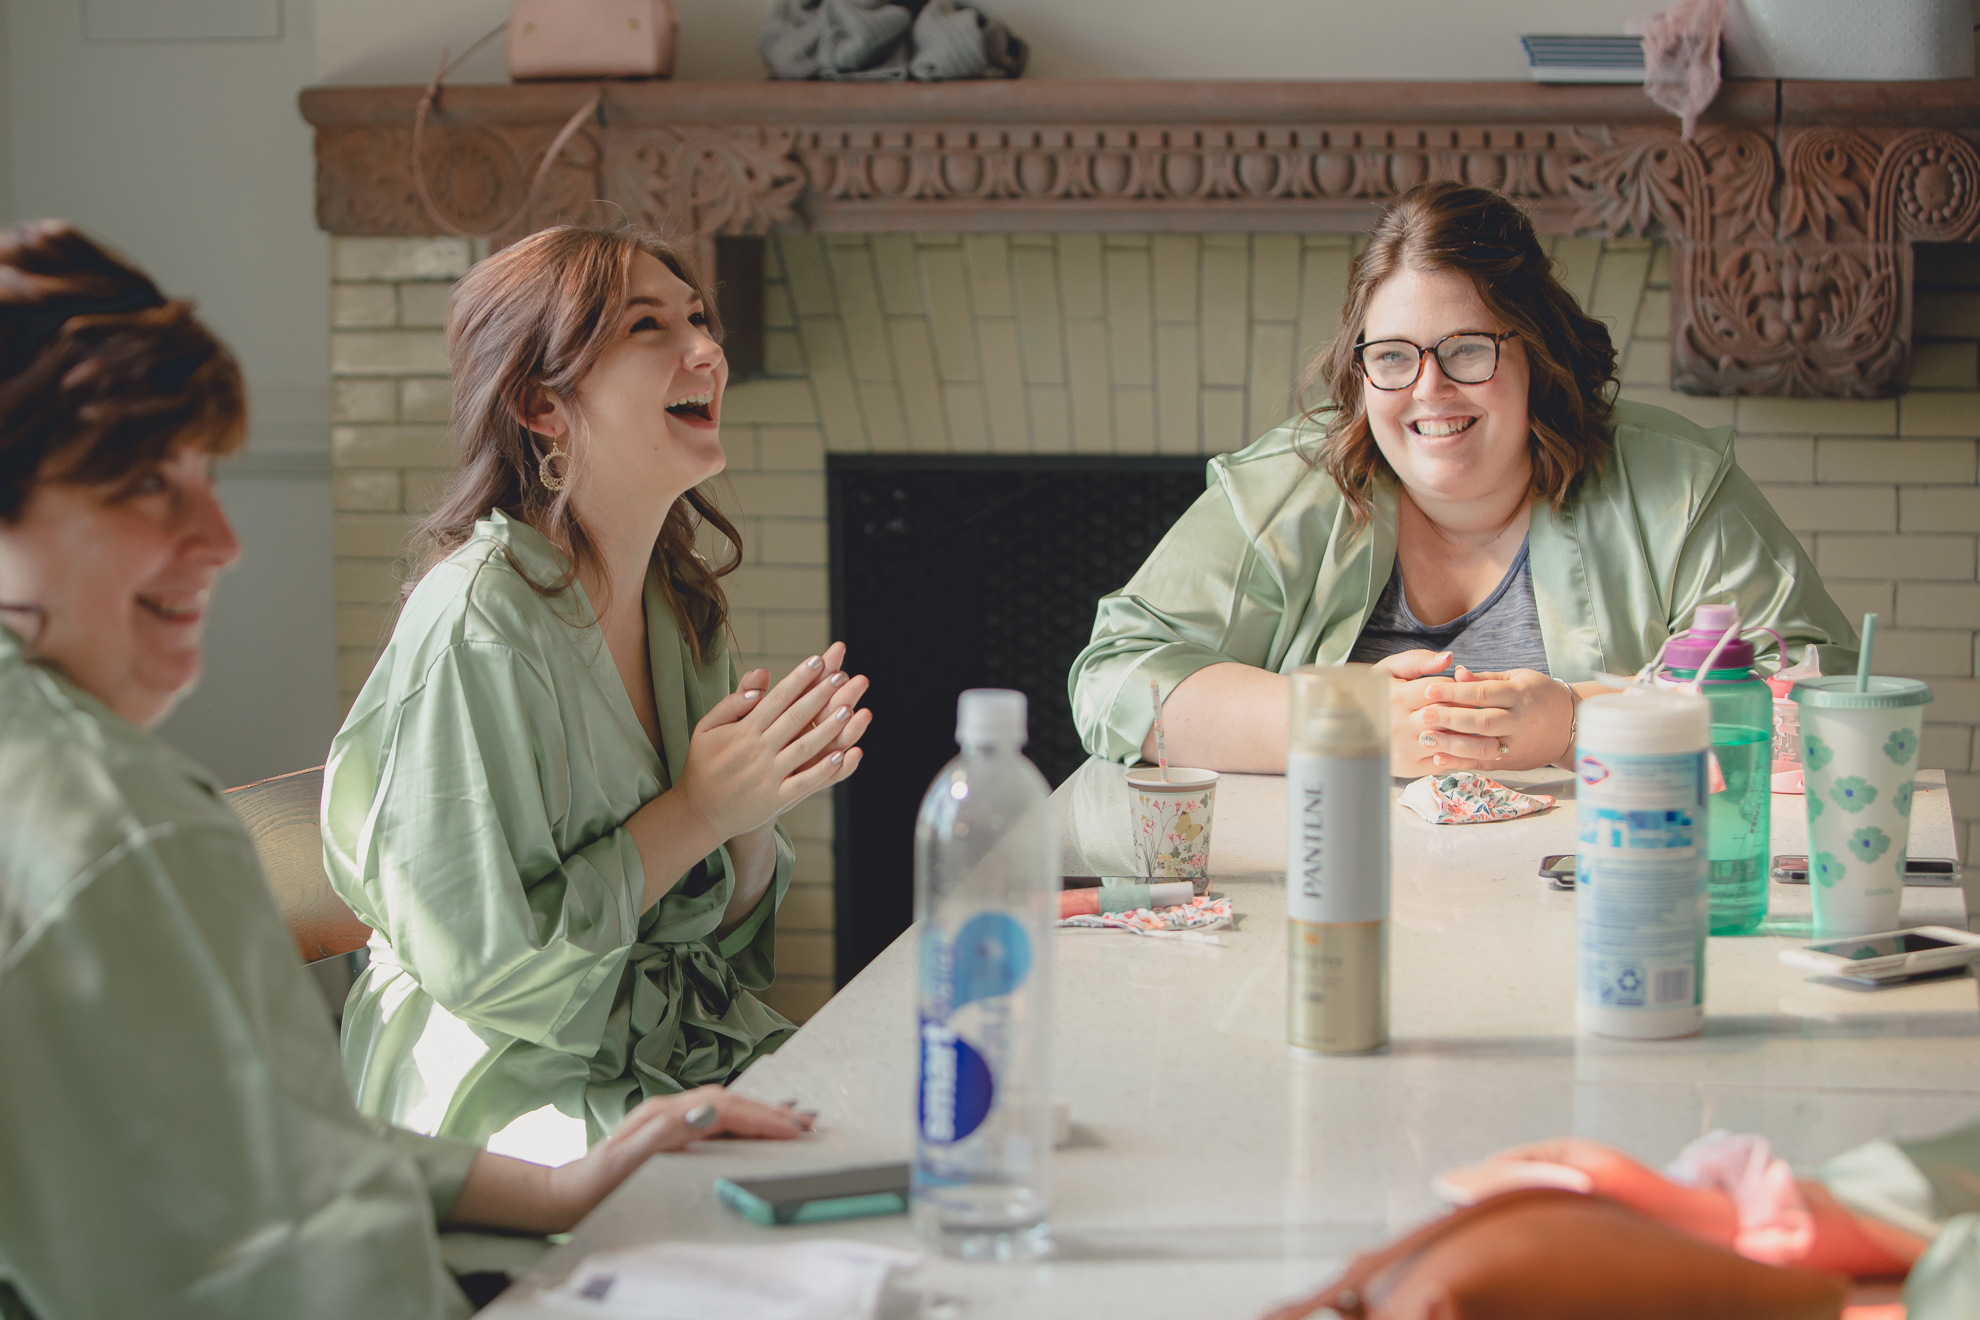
1503 749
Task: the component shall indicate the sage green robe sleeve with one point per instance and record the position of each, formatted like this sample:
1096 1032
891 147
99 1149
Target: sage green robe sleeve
176 1137
1268 569
1932 1189
520 991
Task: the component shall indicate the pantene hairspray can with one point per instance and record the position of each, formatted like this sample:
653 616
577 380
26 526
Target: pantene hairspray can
1337 860
1641 897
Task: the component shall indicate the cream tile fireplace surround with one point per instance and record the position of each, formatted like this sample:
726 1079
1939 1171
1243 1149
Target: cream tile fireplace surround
1122 268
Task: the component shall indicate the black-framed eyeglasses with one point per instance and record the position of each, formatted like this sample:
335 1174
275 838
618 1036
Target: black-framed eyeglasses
1469 357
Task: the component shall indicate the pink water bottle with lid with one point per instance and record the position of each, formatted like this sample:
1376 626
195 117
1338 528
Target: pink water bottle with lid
1712 658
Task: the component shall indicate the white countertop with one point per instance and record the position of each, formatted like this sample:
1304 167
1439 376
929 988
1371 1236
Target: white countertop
1213 1172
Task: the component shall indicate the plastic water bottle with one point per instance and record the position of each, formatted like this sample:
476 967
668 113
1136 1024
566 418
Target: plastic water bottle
986 880
1740 796
1640 902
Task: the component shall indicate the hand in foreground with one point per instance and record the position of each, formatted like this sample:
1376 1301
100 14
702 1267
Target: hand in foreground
1845 1242
1704 1213
1464 722
760 752
508 1193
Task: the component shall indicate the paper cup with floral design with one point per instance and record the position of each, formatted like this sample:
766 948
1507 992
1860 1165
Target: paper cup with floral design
1859 758
1171 820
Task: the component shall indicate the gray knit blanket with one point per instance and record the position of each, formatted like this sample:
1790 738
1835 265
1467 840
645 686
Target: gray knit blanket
873 40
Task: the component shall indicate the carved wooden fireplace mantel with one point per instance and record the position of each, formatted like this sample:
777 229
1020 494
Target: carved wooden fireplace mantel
1790 217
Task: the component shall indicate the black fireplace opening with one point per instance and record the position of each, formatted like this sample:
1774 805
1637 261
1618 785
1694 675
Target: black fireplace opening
951 572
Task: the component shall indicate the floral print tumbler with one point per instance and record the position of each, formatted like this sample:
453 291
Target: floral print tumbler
1859 756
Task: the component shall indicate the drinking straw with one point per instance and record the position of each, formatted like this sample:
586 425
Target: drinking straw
1161 749
1863 656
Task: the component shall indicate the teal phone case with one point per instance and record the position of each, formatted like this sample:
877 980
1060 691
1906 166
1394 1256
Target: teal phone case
754 1208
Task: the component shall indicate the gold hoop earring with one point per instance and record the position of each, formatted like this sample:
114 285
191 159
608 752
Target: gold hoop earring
550 480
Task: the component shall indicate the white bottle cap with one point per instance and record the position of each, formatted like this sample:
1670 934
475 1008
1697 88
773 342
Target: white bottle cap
990 715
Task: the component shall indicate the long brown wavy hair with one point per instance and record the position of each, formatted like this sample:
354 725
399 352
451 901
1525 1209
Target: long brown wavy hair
531 321
101 375
1484 236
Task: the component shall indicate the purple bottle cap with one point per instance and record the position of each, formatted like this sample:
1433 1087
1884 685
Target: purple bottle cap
1690 649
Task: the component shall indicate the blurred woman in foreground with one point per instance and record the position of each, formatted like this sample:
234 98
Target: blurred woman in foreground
176 1136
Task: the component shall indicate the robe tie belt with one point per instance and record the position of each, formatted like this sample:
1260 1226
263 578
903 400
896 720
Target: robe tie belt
682 1020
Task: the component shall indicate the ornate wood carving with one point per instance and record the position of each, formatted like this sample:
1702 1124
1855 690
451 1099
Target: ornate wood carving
1790 236
1792 272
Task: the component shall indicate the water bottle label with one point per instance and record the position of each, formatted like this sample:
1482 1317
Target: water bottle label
957 1089
963 1022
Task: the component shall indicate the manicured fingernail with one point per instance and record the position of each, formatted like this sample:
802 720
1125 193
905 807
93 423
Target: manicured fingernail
837 678
813 663
806 1118
751 695
838 758
843 714
701 1116
1426 739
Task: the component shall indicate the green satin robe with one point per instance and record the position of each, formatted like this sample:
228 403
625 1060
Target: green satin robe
176 1138
1267 569
473 815
1930 1188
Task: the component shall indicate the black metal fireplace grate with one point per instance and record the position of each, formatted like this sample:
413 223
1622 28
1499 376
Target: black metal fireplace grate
952 572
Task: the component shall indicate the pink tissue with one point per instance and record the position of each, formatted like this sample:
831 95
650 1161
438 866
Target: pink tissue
1775 1227
1463 798
1681 57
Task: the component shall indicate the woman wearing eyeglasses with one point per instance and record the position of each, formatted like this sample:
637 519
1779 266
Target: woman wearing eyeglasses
1469 511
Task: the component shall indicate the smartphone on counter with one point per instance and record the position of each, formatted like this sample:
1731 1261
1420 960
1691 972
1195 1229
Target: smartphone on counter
1888 956
810 1198
1558 868
1921 872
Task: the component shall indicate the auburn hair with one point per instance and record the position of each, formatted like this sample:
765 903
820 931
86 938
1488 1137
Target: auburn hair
101 375
529 322
1484 236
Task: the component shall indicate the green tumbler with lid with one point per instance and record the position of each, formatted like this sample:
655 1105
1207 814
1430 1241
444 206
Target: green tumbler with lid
1741 791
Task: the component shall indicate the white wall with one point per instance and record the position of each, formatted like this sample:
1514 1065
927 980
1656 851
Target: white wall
379 41
191 158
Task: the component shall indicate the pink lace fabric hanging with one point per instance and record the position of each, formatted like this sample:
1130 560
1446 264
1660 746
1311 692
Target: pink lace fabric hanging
1681 57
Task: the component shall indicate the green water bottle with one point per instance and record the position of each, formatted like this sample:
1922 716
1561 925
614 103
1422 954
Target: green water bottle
1741 773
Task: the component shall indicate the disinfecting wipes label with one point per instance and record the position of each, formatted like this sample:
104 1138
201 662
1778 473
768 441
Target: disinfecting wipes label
1640 879
1337 838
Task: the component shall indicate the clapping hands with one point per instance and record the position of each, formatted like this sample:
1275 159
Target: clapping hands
764 749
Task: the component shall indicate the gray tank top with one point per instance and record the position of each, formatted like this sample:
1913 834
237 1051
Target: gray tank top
1502 632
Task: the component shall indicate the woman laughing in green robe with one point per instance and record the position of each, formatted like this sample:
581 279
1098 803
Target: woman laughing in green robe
176 1138
555 800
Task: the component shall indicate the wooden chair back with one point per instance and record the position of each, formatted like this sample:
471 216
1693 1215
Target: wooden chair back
281 819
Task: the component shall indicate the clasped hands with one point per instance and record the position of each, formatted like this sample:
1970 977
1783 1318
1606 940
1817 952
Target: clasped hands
1512 720
762 750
